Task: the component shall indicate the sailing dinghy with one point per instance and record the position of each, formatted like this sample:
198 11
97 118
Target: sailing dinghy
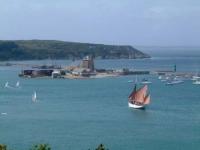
34 97
17 84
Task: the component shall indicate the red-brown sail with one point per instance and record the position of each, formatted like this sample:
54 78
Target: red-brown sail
140 94
147 100
131 96
139 98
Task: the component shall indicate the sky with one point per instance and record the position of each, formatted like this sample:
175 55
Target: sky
122 22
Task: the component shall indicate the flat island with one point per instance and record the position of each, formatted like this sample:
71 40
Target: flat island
86 69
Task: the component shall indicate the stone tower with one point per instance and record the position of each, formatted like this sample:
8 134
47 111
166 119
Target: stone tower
87 63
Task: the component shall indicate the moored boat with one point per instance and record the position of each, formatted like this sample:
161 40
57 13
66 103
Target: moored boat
145 81
196 82
194 78
173 82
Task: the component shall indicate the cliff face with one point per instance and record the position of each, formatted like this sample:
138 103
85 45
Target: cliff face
43 49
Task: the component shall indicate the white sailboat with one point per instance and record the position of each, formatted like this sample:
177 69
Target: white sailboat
34 97
139 98
17 84
160 77
6 85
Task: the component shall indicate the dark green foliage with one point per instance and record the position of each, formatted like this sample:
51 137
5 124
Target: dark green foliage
3 147
44 49
47 147
41 147
101 147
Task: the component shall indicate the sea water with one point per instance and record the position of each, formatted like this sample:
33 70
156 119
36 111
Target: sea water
81 114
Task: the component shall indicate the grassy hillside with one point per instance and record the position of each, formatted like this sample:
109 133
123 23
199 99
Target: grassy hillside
43 49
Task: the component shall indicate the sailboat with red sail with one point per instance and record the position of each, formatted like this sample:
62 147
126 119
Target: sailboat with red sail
139 98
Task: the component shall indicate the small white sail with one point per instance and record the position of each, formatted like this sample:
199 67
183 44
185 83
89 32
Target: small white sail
17 84
6 85
34 97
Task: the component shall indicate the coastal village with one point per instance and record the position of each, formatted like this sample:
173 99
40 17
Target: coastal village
86 69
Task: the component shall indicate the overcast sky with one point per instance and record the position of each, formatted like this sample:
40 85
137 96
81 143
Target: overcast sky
133 22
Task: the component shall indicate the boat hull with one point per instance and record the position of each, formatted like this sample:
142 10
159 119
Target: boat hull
197 82
174 82
135 106
146 82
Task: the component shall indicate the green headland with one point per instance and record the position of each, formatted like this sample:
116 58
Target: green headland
44 49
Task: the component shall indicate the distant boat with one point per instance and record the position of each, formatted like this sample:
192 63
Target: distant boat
17 84
145 81
195 78
167 78
163 80
196 82
4 113
173 82
34 97
6 85
139 98
132 81
160 77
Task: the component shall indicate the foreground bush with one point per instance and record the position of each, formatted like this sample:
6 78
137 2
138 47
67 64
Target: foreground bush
41 147
47 147
101 147
3 147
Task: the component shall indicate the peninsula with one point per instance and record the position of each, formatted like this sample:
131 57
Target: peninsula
44 49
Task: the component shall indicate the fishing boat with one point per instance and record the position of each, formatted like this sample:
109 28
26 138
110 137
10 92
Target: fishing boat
34 97
138 99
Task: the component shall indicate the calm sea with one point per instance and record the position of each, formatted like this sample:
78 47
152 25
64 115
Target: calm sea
81 114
